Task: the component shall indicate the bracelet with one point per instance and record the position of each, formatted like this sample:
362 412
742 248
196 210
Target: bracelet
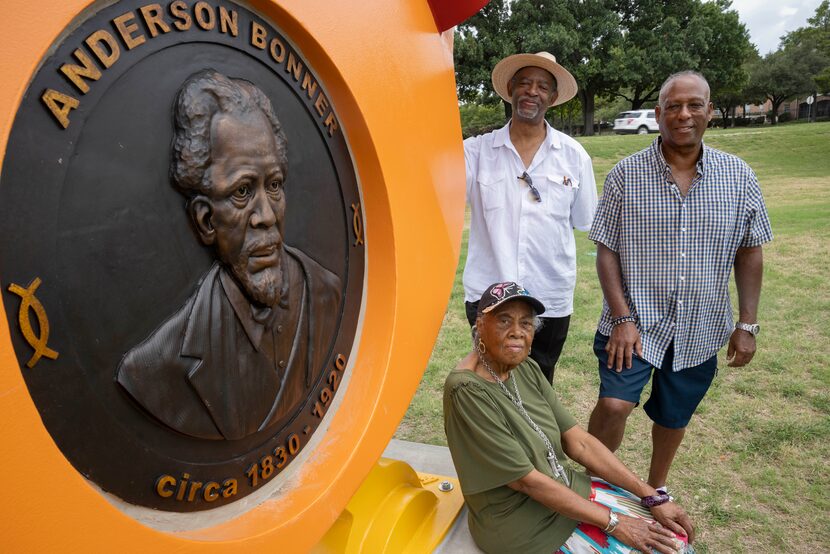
656 500
623 319
613 521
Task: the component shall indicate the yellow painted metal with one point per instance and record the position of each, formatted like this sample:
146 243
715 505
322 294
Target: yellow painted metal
395 510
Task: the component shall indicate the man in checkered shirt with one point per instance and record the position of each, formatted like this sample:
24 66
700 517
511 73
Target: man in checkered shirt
673 221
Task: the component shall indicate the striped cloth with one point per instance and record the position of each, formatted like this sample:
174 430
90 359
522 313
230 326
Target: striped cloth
589 539
677 253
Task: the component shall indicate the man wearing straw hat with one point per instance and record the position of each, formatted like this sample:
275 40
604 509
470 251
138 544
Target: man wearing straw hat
528 187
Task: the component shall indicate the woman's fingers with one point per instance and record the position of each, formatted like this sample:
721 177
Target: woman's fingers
676 527
663 540
675 518
650 536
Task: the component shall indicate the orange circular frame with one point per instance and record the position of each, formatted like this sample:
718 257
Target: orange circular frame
389 72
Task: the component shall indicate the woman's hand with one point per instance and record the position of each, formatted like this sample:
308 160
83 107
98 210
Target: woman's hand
675 518
646 536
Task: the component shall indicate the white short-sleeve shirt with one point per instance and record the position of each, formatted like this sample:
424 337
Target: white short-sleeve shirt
512 236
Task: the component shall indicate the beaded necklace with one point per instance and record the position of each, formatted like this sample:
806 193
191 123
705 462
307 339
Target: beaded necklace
555 466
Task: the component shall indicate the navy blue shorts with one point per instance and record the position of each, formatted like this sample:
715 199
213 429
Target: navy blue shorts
675 395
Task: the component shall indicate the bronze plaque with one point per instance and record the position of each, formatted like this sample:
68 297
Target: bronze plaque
183 253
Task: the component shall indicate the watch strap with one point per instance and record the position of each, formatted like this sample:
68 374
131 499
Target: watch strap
752 328
655 500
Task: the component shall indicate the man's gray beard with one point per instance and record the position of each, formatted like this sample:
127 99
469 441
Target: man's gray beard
525 114
262 287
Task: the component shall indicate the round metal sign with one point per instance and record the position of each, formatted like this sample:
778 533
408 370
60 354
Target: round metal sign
185 251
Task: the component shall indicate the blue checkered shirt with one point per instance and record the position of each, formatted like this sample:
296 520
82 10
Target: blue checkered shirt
677 253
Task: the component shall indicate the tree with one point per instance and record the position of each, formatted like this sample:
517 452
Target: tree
566 114
654 45
480 42
598 33
620 48
723 52
478 118
579 33
661 38
503 28
814 42
783 74
821 23
538 25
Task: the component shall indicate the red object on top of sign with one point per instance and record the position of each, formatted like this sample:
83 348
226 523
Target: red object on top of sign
449 13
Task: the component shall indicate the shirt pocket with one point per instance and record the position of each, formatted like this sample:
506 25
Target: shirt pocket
719 218
559 194
492 189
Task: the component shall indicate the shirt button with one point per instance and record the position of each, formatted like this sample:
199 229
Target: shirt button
282 364
682 254
279 328
680 302
682 278
682 229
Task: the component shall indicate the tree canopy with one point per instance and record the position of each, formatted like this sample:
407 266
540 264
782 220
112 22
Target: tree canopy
800 66
627 48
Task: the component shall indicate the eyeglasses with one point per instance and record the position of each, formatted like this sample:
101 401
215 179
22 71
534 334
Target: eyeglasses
533 190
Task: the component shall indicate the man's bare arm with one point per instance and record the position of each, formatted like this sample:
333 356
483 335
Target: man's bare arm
749 269
625 339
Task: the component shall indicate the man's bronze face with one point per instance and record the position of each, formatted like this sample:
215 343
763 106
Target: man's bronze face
243 209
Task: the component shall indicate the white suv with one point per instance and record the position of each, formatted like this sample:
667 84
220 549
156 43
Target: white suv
637 121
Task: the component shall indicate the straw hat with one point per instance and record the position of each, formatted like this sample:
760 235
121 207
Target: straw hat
505 69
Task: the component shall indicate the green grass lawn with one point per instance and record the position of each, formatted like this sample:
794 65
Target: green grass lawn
754 469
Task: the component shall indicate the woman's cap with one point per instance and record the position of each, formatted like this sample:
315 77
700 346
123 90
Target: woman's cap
499 293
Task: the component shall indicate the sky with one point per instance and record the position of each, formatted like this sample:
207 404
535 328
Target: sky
768 21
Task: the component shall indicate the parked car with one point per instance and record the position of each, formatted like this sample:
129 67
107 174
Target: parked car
636 121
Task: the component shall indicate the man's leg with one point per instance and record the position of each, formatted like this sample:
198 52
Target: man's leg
619 394
608 420
470 310
548 342
665 443
675 395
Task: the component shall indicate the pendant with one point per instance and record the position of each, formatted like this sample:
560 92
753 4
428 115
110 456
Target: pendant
557 469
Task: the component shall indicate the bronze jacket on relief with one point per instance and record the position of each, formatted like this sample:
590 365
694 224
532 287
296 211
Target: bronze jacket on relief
202 374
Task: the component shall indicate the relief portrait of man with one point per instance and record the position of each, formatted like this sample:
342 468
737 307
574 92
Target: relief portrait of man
246 347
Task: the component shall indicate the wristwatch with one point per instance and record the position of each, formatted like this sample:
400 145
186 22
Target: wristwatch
656 500
753 328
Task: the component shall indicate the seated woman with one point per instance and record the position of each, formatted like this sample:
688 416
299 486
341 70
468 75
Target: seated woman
508 436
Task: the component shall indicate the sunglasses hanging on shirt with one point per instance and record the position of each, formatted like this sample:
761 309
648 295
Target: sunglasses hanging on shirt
533 190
